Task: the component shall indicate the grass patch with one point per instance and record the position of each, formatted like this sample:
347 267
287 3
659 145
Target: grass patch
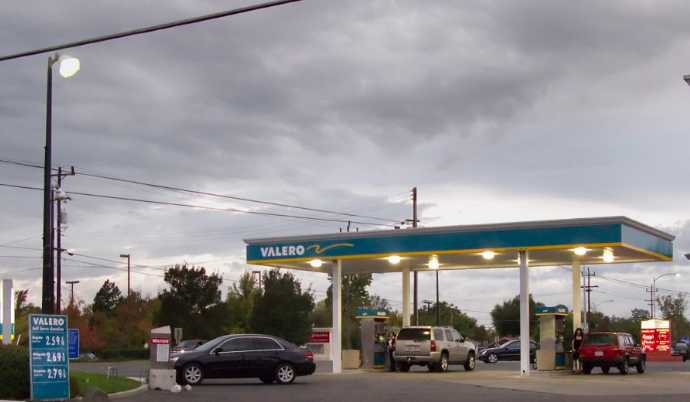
109 385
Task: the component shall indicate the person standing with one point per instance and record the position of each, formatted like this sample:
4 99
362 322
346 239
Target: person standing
390 348
575 344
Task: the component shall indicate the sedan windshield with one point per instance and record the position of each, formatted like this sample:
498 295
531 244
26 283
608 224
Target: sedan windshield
208 346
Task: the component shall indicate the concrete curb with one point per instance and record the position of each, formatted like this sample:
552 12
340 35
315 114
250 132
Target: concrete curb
124 394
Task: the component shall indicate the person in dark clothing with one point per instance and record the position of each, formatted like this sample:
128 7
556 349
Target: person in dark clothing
390 348
575 344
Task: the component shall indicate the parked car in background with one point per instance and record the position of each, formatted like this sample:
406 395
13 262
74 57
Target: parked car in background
265 357
611 349
87 356
508 351
681 349
433 347
187 345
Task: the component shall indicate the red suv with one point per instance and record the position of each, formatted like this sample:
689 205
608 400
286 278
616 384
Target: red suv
611 349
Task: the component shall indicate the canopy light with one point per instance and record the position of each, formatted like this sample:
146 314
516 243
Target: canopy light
394 259
68 65
488 255
608 256
316 263
580 251
433 262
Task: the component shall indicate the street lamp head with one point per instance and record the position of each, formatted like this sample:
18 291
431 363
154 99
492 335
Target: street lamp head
124 255
68 65
688 254
687 79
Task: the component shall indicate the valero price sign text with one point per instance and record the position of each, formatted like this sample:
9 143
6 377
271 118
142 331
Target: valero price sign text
49 350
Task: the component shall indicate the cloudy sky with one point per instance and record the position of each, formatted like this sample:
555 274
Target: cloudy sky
496 111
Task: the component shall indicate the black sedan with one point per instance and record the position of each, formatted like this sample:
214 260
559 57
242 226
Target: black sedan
265 357
508 351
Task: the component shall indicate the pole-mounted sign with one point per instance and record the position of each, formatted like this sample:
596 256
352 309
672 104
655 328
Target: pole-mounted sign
48 348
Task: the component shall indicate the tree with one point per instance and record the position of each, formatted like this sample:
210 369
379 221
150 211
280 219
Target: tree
354 297
283 309
193 302
107 299
22 310
506 317
673 309
240 303
449 315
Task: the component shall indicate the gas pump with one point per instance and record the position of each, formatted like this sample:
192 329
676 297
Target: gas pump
551 353
373 337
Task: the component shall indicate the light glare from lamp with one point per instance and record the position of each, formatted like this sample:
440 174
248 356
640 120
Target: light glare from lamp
608 256
433 263
68 66
488 255
394 259
580 251
316 263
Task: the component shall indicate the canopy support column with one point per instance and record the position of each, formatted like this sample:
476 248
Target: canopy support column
337 316
524 314
577 305
406 296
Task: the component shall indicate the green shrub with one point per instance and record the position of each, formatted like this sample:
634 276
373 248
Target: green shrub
74 389
125 354
14 372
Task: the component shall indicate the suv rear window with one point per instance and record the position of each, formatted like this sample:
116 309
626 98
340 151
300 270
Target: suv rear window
600 339
414 334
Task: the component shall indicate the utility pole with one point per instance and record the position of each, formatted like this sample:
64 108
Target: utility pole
59 196
588 289
414 225
71 297
127 256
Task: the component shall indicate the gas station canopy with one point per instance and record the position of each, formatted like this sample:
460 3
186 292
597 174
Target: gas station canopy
590 240
508 245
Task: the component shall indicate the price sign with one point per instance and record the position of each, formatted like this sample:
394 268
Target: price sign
48 348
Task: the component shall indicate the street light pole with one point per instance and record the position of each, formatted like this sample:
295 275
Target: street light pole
653 292
128 270
601 302
68 67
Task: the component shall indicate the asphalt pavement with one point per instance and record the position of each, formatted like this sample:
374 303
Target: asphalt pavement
488 382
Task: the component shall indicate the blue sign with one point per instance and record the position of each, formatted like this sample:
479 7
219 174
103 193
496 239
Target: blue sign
73 343
48 347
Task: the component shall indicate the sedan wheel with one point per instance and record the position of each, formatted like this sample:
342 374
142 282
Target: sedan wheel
285 373
493 358
193 374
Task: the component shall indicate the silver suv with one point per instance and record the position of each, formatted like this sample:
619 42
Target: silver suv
434 347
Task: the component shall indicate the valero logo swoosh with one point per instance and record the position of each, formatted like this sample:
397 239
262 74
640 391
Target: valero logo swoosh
318 250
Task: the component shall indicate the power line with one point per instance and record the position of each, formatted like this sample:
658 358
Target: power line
236 198
310 218
209 194
148 30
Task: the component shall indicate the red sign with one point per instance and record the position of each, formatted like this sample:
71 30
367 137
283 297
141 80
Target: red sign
656 336
160 341
320 337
